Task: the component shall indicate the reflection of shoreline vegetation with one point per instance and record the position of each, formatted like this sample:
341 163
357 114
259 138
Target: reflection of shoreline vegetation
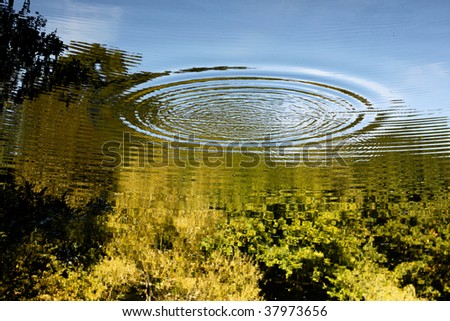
33 61
43 241
383 242
28 55
322 255
50 251
359 246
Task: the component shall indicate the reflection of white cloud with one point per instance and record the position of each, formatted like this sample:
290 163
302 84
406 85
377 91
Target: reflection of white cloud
86 21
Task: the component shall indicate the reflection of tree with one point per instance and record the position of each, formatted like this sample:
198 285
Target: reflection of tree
45 243
93 68
28 55
85 82
88 77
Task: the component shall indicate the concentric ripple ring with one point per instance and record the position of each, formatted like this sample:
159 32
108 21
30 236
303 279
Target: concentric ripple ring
246 106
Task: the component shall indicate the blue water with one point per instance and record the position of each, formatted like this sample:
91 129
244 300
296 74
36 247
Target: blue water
399 44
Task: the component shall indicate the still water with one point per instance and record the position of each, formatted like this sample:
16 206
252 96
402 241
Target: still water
241 105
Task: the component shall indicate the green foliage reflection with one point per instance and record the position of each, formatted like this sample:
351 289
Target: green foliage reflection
42 237
382 249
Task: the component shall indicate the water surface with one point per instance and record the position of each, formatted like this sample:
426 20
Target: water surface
244 105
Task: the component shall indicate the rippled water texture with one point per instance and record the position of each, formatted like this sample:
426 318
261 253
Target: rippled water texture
311 136
264 108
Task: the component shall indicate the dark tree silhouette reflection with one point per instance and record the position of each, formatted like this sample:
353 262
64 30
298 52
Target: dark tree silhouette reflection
28 54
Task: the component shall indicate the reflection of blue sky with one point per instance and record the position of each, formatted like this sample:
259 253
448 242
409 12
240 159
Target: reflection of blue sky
84 21
401 44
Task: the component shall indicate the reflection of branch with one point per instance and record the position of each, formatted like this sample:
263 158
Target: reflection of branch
25 7
28 55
